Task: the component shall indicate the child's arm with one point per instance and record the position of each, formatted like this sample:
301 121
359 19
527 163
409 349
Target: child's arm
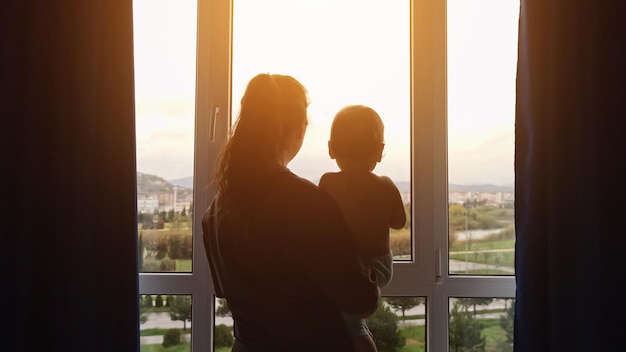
398 215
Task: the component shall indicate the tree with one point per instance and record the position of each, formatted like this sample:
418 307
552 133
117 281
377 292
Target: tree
473 302
222 308
384 327
465 331
180 309
506 323
170 215
140 250
146 301
143 314
159 301
404 303
183 212
175 247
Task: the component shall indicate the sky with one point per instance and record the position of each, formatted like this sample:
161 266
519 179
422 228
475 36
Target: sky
344 52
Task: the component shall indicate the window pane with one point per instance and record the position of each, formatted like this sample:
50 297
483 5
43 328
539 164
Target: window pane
165 52
410 313
482 59
344 52
481 324
165 321
223 329
399 322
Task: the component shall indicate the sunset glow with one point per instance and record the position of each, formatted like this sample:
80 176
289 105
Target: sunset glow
344 52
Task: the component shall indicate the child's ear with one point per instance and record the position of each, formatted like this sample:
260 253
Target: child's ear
379 154
331 153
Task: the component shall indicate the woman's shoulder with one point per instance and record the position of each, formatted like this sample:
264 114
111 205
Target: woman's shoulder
287 181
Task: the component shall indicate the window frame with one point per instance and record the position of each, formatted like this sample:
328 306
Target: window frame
426 275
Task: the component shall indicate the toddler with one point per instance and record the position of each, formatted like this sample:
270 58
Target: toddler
371 204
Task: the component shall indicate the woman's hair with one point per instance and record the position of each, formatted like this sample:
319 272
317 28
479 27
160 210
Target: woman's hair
272 108
357 133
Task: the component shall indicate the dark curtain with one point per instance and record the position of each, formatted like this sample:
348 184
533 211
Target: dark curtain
570 178
68 217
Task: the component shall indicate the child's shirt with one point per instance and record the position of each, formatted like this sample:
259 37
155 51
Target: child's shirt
371 204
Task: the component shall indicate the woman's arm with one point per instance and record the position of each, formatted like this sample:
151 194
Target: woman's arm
334 263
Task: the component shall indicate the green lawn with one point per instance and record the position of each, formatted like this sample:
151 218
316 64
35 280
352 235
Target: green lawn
415 338
183 265
477 245
183 347
506 259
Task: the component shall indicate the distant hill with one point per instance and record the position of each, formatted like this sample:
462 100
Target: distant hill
148 184
405 186
186 182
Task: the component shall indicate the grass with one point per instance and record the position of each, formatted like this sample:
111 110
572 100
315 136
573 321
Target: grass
478 245
183 265
492 332
160 331
415 338
503 253
506 259
183 347
152 332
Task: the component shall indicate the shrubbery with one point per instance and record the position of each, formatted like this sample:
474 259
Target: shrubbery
384 326
223 336
171 338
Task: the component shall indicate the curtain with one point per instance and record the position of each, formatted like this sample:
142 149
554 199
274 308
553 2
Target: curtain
68 250
570 178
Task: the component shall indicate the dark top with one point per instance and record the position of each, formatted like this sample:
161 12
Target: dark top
289 270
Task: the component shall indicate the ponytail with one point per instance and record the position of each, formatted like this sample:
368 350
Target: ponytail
272 107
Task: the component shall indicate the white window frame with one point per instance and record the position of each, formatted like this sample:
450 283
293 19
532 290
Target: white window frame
427 274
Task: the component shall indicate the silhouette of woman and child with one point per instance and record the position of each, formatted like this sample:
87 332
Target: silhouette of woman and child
300 265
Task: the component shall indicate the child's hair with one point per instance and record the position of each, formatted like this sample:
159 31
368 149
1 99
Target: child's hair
357 133
272 108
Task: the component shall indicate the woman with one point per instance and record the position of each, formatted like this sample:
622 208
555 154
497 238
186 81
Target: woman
279 250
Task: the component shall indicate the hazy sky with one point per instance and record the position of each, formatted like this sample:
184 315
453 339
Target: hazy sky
344 52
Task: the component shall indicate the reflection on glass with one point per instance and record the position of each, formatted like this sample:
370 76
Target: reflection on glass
366 62
482 59
481 324
165 51
165 322
399 324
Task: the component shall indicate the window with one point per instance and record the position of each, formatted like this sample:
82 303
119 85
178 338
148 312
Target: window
409 61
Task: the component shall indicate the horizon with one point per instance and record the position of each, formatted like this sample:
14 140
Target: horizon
185 181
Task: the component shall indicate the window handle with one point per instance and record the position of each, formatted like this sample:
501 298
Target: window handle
438 266
213 123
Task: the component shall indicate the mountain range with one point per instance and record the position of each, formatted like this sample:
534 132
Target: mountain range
147 183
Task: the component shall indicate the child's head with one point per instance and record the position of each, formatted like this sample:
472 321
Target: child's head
356 137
